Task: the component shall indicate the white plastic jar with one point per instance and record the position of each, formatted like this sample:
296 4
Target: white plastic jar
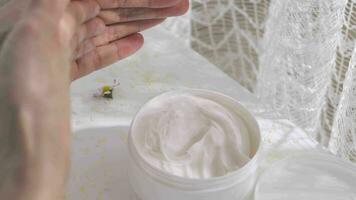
151 183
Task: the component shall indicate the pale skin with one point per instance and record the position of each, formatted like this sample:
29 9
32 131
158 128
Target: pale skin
44 45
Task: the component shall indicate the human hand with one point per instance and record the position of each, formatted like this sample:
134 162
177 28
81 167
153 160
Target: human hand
41 50
118 11
36 51
123 18
88 55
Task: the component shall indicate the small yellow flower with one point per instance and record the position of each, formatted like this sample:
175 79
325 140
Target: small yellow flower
107 91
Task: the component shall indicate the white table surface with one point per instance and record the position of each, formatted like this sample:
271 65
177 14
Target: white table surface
165 63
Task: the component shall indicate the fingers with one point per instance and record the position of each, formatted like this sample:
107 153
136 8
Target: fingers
106 4
113 33
118 31
80 23
88 30
82 11
119 15
125 18
106 55
84 48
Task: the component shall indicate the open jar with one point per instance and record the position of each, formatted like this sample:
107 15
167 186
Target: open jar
153 183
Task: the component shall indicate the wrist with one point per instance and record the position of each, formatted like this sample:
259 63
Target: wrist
35 129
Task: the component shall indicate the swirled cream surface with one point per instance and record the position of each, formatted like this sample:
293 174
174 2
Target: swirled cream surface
191 136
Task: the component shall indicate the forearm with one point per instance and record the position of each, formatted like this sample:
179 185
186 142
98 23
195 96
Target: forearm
39 124
10 154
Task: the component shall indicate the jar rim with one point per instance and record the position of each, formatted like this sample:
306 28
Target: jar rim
242 172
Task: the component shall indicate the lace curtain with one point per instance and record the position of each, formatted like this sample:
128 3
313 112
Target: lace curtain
297 56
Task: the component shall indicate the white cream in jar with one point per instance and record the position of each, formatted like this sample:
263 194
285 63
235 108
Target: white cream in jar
191 136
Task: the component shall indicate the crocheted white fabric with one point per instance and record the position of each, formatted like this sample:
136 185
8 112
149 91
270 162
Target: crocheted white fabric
294 55
297 58
229 33
343 138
